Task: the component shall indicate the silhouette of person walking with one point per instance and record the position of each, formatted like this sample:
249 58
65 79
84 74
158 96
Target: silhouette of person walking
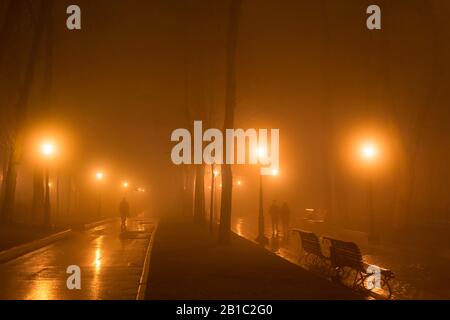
124 210
274 212
285 215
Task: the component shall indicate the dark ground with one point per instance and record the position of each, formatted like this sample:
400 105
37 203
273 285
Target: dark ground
14 235
20 233
187 264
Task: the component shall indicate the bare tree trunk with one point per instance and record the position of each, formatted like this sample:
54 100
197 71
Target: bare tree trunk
38 178
10 186
11 16
199 202
4 171
20 110
230 105
411 142
328 120
38 194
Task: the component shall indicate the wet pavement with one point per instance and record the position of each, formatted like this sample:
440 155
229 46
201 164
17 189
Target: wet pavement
187 263
420 273
111 265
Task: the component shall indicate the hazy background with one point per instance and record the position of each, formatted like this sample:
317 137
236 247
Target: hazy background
139 69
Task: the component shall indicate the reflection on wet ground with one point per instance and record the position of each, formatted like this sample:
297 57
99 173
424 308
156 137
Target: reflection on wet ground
420 273
110 265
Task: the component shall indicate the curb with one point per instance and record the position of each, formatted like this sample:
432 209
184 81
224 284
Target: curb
146 267
98 223
20 250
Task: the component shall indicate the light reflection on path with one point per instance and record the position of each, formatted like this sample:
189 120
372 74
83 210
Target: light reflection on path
110 266
419 273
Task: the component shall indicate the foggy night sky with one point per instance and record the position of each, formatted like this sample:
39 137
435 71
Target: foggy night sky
123 82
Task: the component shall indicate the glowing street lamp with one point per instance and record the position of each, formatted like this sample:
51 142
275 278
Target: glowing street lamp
125 185
214 174
47 151
262 239
261 153
369 153
99 175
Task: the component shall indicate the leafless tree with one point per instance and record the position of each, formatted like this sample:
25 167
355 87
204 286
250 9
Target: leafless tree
230 105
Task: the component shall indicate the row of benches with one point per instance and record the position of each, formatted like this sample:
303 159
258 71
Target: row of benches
343 255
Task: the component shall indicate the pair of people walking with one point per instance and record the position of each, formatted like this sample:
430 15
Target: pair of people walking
278 214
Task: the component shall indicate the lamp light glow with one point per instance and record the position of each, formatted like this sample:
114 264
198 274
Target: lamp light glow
99 175
369 151
48 149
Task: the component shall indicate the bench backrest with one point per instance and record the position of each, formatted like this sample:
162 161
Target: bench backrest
346 254
310 242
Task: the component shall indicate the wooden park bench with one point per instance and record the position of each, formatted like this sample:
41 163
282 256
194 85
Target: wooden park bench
348 255
311 248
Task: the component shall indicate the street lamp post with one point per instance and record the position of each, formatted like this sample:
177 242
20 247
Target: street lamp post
47 150
99 176
47 208
261 239
125 185
373 236
214 173
369 152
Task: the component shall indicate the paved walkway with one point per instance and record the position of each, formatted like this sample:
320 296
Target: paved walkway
110 266
187 264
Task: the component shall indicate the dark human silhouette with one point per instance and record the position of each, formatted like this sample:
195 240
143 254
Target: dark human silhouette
124 210
284 216
274 212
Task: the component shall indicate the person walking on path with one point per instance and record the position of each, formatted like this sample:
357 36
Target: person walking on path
124 210
274 212
285 216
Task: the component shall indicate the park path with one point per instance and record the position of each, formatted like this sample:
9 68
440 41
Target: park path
111 266
187 263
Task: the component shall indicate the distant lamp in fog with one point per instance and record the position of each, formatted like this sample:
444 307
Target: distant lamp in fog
47 149
99 176
239 182
125 184
261 153
263 158
369 151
